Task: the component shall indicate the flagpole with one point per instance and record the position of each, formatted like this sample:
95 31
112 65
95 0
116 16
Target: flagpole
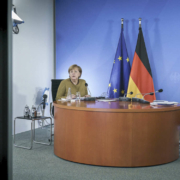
122 20
140 22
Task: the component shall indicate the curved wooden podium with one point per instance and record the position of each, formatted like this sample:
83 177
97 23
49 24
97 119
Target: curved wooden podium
118 133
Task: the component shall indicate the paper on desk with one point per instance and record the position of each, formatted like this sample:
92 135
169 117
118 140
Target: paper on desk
108 100
72 100
163 103
63 99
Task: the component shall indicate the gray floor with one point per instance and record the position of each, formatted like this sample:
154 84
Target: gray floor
41 163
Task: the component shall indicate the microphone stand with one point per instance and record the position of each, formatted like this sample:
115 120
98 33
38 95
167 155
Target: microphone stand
124 98
144 94
135 99
86 84
89 91
151 93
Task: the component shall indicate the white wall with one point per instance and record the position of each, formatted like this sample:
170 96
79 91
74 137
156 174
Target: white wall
33 56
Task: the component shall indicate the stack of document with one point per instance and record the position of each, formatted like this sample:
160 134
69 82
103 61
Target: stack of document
164 103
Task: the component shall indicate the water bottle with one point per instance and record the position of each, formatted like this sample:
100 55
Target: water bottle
26 111
33 111
69 94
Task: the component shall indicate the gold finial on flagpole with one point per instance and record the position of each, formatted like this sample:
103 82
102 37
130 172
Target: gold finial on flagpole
122 20
140 22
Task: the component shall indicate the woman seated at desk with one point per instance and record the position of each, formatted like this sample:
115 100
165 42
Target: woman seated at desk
73 82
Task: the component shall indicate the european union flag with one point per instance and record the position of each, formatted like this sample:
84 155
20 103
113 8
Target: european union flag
119 79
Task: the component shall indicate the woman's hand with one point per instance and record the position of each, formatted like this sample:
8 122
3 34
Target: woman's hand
87 95
73 96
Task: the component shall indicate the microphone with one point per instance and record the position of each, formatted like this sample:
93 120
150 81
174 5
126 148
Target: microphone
86 84
152 93
44 103
160 90
128 93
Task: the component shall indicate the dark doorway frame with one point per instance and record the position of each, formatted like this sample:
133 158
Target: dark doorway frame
6 90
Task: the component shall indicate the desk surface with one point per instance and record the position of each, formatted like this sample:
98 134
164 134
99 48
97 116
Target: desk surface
116 106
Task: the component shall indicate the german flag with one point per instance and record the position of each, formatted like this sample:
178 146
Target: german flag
140 80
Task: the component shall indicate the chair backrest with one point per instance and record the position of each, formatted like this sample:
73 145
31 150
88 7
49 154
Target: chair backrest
54 87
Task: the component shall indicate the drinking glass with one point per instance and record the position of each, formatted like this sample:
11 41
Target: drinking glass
78 95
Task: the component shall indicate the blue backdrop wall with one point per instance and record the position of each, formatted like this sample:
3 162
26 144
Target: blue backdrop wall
87 34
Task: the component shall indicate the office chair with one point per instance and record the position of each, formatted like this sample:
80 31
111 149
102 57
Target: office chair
54 87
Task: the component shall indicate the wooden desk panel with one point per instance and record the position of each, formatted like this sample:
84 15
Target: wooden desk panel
116 136
155 138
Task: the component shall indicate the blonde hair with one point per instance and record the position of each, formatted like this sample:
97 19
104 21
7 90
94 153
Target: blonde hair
75 66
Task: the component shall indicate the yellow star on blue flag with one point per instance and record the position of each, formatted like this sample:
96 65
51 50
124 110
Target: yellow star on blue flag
120 58
115 90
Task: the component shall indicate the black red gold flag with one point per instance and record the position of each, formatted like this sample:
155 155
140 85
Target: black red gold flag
140 80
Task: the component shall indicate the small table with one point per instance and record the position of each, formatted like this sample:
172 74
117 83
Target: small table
33 119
